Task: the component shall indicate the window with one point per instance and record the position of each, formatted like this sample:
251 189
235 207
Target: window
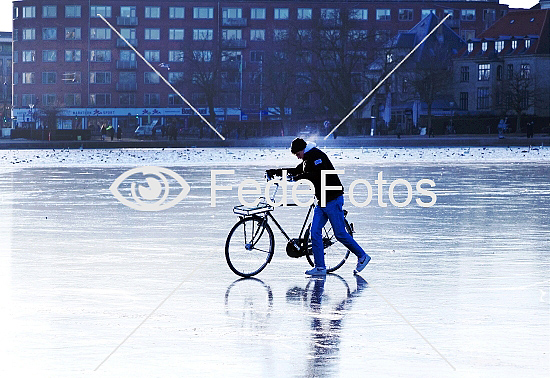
468 14
152 12
449 11
304 13
231 34
176 12
174 99
100 77
151 99
72 99
48 99
510 71
202 55
29 12
280 34
49 56
256 56
257 34
484 72
468 34
127 77
381 35
28 56
127 56
304 35
100 33
357 35
484 46
105 11
175 77
255 78
27 99
483 98
49 34
129 34
176 34
358 14
257 13
499 72
152 34
72 34
426 12
27 78
49 11
203 34
29 34
464 74
514 44
100 55
200 99
383 14
527 44
463 103
203 12
100 99
73 55
127 11
127 99
525 71
49 78
280 13
499 46
72 11
72 77
151 78
175 56
152 55
489 14
470 47
405 15
330 14
232 13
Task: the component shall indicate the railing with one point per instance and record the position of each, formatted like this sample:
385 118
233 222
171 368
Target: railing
121 43
126 87
235 22
126 64
234 43
127 21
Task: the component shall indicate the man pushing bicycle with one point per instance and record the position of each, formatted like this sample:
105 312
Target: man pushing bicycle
329 204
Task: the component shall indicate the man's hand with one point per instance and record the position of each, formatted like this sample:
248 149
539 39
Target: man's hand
271 173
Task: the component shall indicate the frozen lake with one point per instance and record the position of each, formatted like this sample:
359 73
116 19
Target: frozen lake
89 286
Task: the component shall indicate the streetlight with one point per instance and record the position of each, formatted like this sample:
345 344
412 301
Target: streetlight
31 107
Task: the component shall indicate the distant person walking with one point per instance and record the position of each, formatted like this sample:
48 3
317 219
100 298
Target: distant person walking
119 133
103 131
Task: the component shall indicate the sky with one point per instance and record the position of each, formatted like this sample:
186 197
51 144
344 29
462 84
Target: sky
6 13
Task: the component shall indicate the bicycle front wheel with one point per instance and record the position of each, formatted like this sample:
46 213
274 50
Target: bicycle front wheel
336 253
249 246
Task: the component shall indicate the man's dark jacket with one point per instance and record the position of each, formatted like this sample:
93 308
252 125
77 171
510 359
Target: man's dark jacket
310 169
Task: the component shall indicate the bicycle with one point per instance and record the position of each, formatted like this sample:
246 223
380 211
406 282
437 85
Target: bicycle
250 244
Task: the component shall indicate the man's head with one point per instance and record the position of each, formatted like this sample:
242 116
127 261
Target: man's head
297 147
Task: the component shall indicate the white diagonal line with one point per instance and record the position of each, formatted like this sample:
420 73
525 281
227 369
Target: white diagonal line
387 76
162 77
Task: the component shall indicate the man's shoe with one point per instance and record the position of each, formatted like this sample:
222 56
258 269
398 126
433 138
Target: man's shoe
317 272
362 264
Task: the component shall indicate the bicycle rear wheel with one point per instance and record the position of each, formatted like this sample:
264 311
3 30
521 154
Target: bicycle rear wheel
249 246
336 253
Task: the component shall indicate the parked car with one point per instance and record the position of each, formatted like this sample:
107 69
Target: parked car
147 130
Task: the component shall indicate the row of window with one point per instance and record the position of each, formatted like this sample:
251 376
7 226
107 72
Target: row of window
499 45
96 77
483 99
154 12
149 99
484 72
174 56
75 33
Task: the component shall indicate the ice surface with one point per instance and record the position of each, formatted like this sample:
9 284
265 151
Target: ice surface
89 286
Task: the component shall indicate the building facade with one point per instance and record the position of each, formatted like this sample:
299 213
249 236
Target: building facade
5 78
67 61
504 72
